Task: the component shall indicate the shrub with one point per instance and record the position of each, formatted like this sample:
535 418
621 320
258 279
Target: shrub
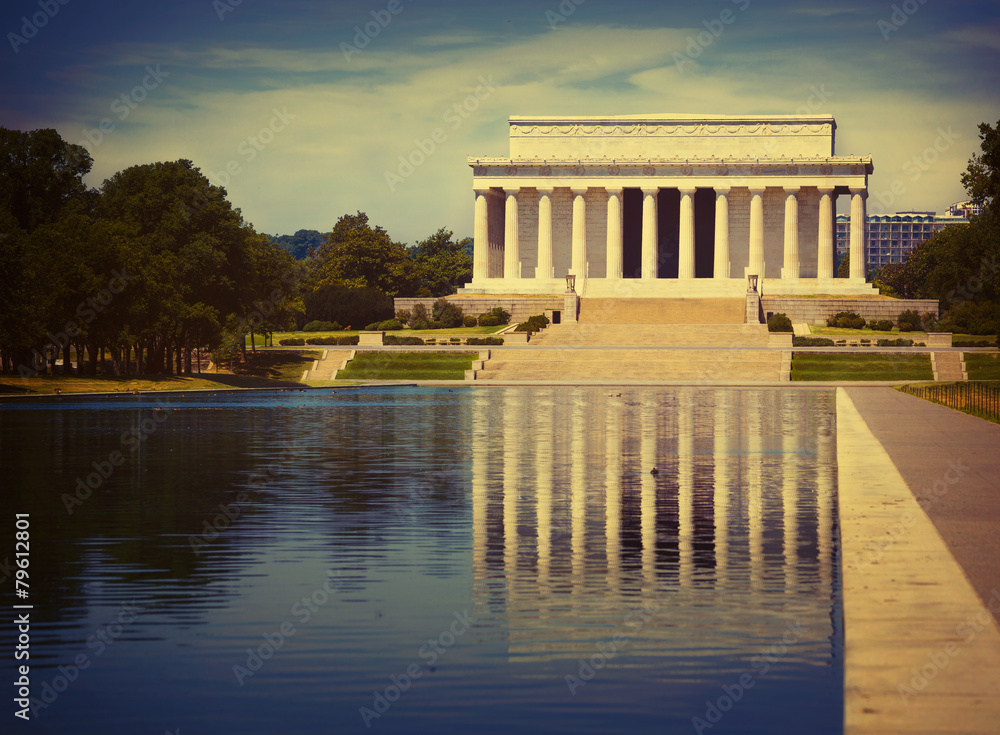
895 343
320 326
534 324
779 323
373 327
419 323
484 341
349 340
434 324
905 327
502 315
469 321
969 317
418 314
291 342
403 315
448 314
392 339
911 317
846 320
487 320
812 342
389 325
883 325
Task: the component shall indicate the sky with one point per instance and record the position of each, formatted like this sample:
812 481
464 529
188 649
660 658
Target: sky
305 110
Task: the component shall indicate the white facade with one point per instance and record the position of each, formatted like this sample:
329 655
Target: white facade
665 206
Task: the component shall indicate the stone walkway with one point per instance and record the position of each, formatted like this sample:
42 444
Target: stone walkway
922 652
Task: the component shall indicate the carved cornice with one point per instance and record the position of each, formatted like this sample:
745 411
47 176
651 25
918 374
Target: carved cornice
643 167
761 129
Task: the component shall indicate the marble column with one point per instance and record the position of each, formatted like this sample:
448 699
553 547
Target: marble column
825 247
790 269
649 233
721 457
756 234
858 231
579 235
685 265
614 254
721 233
511 251
685 485
544 269
481 238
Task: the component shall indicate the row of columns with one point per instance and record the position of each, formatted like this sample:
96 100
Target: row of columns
686 265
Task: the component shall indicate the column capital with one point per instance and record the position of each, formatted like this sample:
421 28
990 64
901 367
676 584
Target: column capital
722 190
689 190
614 190
481 190
545 190
859 191
791 190
579 190
650 190
828 190
512 192
757 190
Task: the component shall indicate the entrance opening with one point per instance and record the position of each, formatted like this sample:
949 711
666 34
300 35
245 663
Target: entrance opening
632 233
557 317
668 215
704 233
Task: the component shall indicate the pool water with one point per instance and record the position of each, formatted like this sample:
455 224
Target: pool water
408 560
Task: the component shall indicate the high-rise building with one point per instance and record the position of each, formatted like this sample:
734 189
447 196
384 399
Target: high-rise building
889 237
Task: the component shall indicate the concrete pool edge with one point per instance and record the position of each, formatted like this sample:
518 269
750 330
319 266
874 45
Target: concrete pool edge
921 651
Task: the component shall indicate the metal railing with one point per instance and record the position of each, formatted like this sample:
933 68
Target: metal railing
978 398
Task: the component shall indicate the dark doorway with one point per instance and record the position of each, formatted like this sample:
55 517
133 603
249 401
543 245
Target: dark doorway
668 211
632 233
704 233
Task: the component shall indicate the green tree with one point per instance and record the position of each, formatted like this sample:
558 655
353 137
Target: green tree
982 176
441 264
358 255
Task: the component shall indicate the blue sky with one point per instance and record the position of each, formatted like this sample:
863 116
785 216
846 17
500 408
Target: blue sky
279 102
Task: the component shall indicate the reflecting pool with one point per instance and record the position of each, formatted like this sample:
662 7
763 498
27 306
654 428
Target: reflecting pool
405 560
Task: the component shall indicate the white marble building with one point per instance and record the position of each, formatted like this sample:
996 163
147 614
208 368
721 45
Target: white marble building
666 205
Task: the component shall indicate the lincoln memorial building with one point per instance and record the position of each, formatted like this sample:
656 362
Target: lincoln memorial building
667 206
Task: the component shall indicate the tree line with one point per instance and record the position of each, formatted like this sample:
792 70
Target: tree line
140 275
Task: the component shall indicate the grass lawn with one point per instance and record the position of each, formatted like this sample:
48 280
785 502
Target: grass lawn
408 366
865 333
833 366
983 365
263 370
422 333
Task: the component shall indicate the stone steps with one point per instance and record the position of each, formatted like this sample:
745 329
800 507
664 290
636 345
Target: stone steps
656 335
662 311
616 365
949 366
327 367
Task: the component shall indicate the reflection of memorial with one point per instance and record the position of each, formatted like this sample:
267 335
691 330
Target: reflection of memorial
572 531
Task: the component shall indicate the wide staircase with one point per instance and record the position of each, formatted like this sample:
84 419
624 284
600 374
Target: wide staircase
948 366
326 368
646 340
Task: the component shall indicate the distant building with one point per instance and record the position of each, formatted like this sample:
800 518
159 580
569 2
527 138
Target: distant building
889 237
965 209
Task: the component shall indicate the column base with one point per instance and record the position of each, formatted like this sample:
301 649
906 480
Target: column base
790 274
